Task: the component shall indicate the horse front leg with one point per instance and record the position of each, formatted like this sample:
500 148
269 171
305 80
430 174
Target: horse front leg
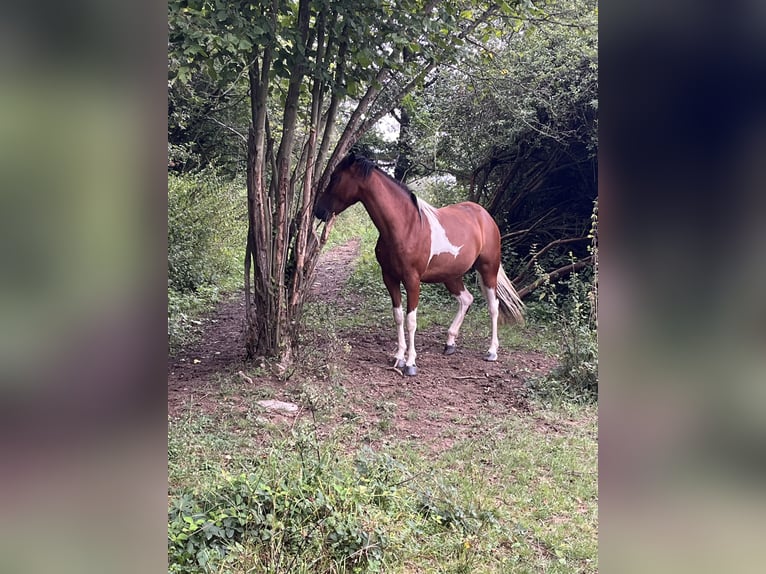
394 290
413 296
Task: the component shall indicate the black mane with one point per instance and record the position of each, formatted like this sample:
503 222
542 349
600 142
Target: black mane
366 166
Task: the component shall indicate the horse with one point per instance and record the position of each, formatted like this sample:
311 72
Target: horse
419 243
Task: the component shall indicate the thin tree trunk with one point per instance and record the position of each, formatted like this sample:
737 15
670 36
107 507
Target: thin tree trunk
284 193
257 252
403 158
306 214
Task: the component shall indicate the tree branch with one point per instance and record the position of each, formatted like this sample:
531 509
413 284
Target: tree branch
555 275
231 129
537 255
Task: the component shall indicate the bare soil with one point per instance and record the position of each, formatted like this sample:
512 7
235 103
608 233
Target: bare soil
445 402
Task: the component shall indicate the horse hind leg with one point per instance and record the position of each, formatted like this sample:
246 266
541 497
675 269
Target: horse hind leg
493 304
464 300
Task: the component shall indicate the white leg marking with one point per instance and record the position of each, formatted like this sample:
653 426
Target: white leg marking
464 300
401 344
412 324
494 311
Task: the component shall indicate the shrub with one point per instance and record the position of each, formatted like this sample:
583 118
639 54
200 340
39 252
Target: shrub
303 508
289 513
206 230
206 227
568 307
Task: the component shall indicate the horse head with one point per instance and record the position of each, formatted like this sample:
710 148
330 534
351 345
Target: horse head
342 191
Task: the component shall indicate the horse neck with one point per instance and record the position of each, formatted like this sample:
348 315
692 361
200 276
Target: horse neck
391 209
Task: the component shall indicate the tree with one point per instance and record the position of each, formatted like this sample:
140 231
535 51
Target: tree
516 124
302 60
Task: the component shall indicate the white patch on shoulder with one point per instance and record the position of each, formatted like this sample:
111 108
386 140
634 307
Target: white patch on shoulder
439 241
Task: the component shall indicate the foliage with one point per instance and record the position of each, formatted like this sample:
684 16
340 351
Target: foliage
569 309
205 225
300 508
285 524
440 191
516 124
205 222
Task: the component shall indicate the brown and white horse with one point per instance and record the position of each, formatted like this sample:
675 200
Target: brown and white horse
419 243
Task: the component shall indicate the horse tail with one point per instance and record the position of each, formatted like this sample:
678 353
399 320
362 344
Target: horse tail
511 305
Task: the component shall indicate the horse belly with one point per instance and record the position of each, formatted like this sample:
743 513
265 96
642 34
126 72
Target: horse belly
446 266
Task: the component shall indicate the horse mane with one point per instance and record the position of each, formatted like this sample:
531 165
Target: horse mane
366 166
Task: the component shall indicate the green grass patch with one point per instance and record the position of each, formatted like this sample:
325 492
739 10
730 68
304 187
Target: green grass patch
518 500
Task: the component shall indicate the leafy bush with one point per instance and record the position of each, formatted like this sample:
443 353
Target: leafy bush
303 509
288 516
440 190
206 230
569 309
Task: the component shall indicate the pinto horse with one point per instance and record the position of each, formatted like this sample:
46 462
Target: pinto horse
419 243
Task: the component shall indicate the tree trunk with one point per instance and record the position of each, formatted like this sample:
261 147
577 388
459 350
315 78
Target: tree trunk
270 205
258 248
403 161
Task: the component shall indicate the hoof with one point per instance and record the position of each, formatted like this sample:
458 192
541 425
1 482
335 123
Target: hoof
450 349
399 363
410 370
490 357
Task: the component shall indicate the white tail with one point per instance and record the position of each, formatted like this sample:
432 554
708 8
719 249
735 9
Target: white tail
510 302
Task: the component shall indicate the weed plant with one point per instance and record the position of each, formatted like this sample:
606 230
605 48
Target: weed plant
302 508
567 310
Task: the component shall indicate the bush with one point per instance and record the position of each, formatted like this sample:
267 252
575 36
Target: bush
303 508
206 235
569 309
206 231
289 514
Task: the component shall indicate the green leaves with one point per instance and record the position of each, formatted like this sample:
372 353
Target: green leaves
316 511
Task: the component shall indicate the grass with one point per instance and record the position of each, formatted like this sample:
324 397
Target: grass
519 499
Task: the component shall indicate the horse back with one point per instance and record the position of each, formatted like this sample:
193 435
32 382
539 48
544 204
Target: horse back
469 223
470 228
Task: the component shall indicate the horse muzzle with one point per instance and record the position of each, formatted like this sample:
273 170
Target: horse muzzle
322 213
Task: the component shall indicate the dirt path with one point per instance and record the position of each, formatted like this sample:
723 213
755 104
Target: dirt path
443 402
220 349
